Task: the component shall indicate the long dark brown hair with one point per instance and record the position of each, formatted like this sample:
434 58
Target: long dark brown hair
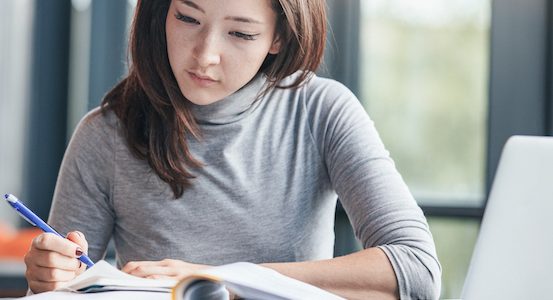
154 114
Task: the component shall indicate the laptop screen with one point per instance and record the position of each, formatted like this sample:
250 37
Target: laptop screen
513 256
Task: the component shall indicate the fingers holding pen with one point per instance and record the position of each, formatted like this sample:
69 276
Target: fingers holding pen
41 279
78 238
38 286
53 274
51 259
52 242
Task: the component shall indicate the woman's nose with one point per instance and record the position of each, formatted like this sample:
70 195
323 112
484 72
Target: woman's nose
206 50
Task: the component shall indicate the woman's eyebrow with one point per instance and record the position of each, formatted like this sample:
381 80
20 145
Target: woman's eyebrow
243 20
192 4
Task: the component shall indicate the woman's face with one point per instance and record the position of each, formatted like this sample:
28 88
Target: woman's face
215 47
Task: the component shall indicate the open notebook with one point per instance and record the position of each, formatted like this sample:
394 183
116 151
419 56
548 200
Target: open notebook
103 277
246 280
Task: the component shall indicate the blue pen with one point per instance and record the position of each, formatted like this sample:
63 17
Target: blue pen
30 216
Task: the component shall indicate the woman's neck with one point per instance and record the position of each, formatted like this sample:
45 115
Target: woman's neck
231 108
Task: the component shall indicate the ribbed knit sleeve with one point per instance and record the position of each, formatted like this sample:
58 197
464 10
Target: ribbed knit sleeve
83 190
377 201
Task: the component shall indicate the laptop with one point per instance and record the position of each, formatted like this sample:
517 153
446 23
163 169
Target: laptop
513 256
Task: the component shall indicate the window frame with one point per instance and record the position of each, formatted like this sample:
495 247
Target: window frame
45 136
520 78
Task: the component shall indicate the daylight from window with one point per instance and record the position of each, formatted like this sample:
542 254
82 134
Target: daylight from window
424 82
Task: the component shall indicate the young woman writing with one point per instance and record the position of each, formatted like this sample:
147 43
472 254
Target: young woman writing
221 145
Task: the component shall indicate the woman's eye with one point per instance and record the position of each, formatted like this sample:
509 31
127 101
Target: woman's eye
247 37
186 19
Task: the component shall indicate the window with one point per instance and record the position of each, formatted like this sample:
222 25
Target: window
15 32
424 81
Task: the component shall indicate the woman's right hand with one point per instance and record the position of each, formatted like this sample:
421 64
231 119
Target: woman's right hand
53 260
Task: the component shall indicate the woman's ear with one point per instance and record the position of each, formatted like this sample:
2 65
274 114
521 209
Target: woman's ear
275 47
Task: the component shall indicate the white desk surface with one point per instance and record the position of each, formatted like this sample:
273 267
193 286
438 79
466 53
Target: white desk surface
100 296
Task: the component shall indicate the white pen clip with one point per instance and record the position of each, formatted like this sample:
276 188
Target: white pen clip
15 204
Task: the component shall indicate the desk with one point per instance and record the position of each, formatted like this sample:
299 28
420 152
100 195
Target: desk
12 278
101 296
14 284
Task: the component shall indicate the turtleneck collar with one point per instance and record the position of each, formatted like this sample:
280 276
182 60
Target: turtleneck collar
231 108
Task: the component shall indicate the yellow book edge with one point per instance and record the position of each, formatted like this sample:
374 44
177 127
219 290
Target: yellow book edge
245 280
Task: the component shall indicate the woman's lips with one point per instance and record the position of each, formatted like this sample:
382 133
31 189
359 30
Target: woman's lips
202 80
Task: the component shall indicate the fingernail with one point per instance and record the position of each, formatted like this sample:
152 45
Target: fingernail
78 252
80 234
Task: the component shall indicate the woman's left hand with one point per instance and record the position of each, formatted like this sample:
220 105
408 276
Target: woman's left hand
163 269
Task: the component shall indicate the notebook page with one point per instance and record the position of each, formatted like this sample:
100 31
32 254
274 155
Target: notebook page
250 278
104 275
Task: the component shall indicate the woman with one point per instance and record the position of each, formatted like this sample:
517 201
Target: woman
221 145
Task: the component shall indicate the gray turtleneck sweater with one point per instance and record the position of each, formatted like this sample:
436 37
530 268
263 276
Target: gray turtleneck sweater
274 169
